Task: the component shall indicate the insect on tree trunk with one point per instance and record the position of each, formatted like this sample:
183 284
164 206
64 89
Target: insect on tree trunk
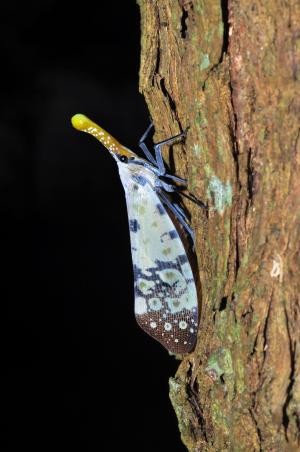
230 72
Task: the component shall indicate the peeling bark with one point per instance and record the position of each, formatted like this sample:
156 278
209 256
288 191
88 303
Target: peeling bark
231 74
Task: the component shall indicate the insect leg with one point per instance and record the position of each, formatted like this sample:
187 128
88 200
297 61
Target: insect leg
173 188
158 154
181 211
193 198
144 148
167 187
177 213
176 179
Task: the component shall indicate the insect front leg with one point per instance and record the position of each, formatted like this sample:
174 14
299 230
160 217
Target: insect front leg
158 153
144 148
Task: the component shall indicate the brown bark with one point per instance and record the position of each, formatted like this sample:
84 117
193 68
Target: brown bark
231 73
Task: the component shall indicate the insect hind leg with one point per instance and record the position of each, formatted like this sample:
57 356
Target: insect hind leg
181 211
178 212
193 198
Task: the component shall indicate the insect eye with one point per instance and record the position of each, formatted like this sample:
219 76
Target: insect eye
123 158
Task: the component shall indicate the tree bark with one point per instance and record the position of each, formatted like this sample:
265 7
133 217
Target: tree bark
230 72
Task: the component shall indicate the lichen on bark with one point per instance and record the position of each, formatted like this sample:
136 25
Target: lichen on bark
230 72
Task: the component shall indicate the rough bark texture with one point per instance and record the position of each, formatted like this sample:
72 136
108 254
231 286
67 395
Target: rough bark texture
230 72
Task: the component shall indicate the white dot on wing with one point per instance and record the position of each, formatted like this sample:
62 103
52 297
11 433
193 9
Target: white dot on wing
168 326
182 324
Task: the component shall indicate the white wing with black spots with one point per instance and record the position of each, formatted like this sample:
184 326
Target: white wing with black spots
166 304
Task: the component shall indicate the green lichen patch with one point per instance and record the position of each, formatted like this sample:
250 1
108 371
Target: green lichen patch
219 193
220 362
196 149
205 62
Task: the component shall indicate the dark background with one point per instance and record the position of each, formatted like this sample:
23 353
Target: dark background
81 375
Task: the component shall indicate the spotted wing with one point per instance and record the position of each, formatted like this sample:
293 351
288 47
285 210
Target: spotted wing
166 304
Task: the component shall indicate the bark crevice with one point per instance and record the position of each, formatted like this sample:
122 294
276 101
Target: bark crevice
225 18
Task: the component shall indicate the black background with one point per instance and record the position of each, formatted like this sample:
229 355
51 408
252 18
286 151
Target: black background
81 375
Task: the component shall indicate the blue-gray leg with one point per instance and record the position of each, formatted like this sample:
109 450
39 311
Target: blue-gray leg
167 187
193 198
170 188
177 212
176 179
144 148
181 211
158 154
174 188
158 160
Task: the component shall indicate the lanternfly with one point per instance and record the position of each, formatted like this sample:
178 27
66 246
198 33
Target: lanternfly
166 304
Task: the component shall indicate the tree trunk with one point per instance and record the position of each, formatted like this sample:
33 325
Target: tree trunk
231 74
